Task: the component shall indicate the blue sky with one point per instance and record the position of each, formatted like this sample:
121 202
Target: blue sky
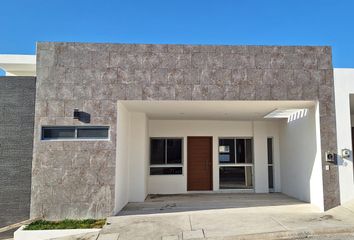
263 22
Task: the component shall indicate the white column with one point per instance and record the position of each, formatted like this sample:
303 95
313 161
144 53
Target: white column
122 158
138 157
260 157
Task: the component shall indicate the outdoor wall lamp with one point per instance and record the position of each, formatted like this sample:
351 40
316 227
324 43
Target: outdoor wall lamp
330 157
82 116
345 153
76 114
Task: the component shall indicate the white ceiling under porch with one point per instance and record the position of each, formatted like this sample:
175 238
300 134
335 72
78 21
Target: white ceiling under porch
212 110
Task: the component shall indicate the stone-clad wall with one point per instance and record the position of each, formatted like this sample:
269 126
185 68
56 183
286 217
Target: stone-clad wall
16 144
77 178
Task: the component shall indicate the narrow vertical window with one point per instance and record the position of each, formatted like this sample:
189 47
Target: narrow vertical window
270 164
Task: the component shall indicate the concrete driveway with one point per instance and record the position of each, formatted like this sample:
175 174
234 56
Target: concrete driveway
222 216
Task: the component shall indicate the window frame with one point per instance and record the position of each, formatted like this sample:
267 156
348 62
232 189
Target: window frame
271 189
167 165
235 152
236 164
76 139
251 188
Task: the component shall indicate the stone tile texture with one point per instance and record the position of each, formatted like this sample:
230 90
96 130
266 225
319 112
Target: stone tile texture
78 177
17 101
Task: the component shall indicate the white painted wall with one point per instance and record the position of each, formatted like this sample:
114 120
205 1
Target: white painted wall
138 157
261 131
300 154
183 128
260 157
344 86
122 158
132 158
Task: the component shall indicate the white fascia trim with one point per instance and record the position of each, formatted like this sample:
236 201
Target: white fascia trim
18 65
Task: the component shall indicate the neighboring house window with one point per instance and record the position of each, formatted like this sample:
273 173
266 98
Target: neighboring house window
235 163
75 133
166 156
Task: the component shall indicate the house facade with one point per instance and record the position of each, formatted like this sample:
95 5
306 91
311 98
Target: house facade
116 122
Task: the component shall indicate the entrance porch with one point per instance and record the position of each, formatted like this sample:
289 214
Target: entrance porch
186 147
155 204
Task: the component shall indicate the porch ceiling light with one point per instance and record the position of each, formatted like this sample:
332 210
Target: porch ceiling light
287 113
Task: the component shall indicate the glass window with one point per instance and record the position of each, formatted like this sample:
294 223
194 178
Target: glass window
244 151
157 151
248 151
226 150
58 133
270 163
75 132
174 151
270 150
240 151
165 170
237 153
270 177
236 177
92 132
167 152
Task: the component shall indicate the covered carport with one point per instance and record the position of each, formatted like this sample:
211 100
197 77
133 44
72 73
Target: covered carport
293 126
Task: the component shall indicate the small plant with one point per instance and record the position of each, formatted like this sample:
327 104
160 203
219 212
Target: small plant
66 224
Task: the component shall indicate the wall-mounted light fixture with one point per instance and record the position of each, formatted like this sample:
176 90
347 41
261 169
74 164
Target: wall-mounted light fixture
82 116
76 114
330 157
345 153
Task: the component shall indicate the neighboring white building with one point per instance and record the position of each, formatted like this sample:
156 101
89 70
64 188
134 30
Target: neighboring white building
18 65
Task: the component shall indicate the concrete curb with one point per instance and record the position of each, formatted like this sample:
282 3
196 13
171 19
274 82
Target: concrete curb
289 234
17 225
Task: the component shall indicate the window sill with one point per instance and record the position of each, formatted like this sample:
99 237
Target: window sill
166 165
167 175
75 140
235 164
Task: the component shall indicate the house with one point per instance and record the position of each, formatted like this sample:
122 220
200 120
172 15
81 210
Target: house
112 123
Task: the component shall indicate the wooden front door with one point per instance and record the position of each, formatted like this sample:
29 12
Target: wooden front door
199 167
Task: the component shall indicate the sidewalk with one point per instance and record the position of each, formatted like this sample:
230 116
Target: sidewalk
259 222
216 217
